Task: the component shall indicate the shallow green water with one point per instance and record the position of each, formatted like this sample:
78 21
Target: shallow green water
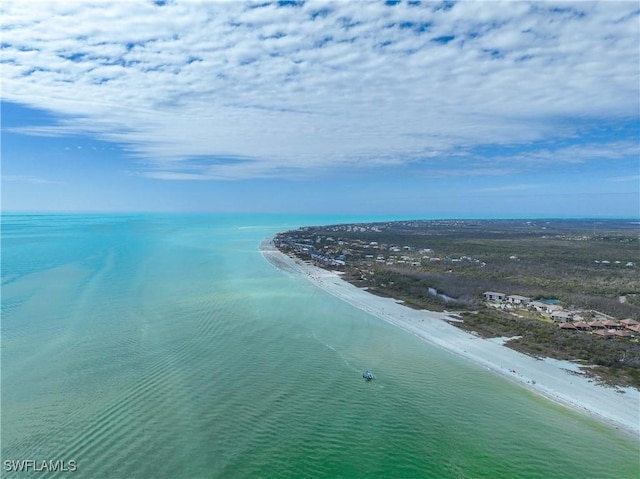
166 346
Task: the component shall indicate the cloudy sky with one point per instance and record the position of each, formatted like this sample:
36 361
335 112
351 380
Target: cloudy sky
434 108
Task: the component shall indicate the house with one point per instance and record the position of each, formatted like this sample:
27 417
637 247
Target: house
517 299
493 296
551 308
622 334
547 308
629 322
560 317
611 324
604 333
567 326
597 324
538 306
581 325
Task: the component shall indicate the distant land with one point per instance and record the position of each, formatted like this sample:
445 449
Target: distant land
562 288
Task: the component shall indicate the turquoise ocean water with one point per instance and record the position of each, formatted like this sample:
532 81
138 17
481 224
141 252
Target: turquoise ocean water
165 346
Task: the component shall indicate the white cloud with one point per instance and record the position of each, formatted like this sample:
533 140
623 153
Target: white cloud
575 154
283 91
510 188
28 179
624 179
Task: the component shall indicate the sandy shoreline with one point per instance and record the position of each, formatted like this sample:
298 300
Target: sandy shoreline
553 379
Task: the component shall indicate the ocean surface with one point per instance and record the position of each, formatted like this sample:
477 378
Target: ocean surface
165 346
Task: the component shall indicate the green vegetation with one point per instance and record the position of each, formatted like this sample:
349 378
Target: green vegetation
438 265
585 263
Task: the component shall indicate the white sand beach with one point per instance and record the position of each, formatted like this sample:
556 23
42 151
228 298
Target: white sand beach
559 381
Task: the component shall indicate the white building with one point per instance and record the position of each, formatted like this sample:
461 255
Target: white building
494 296
561 317
517 299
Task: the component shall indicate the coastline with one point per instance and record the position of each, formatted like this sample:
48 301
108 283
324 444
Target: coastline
555 380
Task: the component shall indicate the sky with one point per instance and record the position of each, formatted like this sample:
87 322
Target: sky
439 109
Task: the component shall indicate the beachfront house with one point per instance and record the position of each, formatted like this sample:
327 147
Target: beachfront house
612 324
560 317
551 308
517 299
604 333
538 306
597 325
547 308
494 296
581 325
567 326
629 322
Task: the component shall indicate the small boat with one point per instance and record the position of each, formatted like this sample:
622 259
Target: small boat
368 375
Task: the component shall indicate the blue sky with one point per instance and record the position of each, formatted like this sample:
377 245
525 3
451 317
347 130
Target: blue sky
415 108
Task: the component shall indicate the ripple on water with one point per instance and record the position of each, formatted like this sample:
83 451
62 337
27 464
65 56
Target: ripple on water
169 357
